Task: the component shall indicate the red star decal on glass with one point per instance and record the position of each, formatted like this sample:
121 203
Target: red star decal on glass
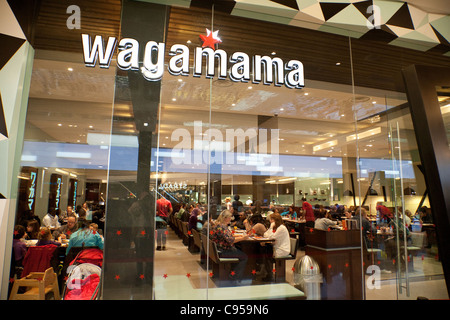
274 271
117 277
211 39
211 232
233 273
253 272
189 232
119 232
188 275
165 275
211 274
16 232
143 232
141 276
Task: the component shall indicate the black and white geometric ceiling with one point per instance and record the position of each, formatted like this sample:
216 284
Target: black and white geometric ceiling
395 22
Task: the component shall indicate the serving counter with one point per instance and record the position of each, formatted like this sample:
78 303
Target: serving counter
338 254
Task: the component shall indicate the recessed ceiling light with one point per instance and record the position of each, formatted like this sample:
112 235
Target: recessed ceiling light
306 93
250 87
189 41
70 69
174 99
145 124
180 80
274 53
91 127
59 124
281 109
374 102
338 63
233 104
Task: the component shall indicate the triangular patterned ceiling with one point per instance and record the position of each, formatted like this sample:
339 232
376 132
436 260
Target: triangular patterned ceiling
395 22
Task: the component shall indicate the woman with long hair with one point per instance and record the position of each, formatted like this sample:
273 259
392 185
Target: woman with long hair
281 246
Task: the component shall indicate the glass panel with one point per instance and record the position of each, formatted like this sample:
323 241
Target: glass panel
65 156
273 146
392 185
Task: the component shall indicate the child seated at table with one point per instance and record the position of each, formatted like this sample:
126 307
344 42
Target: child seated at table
255 225
45 238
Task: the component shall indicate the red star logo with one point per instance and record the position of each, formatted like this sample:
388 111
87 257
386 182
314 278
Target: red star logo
117 277
143 232
210 39
253 272
119 232
165 275
188 275
141 276
233 273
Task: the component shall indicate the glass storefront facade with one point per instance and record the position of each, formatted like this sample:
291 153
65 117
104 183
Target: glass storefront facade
279 113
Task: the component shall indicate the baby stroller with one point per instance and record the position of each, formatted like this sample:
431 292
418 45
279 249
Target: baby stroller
83 276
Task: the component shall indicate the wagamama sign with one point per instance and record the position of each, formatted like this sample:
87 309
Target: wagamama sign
289 74
223 147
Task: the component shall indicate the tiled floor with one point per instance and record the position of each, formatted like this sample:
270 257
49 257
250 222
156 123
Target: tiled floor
426 281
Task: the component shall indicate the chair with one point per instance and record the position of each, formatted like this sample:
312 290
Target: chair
187 236
38 285
180 228
221 266
39 259
370 255
411 252
280 262
197 241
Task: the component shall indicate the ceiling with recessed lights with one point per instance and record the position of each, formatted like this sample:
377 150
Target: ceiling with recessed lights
75 104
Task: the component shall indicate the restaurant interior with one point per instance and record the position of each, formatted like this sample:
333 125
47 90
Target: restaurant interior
346 138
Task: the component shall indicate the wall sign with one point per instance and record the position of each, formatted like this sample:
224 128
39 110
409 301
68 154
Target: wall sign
27 188
73 185
265 69
55 191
